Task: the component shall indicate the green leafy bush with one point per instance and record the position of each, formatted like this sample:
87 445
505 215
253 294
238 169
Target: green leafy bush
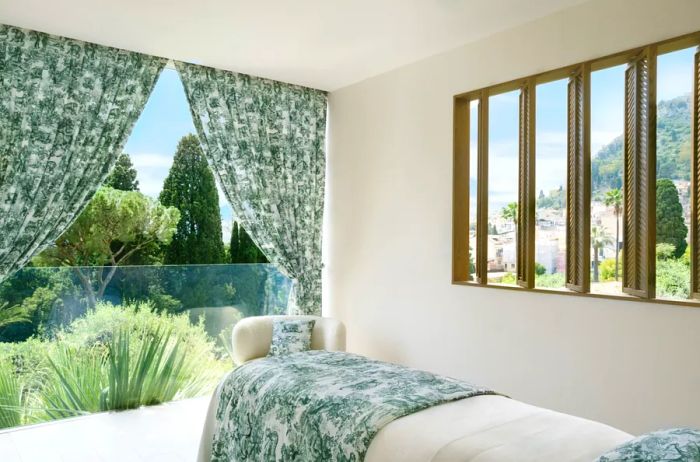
508 278
607 270
672 278
113 357
540 269
555 280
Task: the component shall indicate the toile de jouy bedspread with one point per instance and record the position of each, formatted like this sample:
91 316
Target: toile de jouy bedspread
320 406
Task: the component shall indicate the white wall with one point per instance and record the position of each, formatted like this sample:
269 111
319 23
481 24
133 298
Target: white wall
630 364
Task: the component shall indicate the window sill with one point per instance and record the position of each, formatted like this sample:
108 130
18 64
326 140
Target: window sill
565 291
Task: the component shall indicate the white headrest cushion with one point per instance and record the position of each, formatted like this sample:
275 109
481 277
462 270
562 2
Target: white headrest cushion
251 337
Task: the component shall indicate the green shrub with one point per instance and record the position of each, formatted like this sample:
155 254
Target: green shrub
110 358
139 322
540 269
665 251
555 280
29 362
672 278
508 278
607 270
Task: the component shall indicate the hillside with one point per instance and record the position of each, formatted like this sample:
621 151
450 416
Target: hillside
673 148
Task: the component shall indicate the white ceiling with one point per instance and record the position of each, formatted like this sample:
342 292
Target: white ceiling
325 44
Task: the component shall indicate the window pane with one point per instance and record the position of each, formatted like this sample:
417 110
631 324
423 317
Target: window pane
550 183
473 173
607 144
503 186
674 87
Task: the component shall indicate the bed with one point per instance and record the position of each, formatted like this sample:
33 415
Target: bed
485 427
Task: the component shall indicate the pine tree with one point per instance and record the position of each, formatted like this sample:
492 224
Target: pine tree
123 175
670 225
191 188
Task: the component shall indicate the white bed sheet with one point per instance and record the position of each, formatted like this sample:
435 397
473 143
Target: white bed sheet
478 429
492 429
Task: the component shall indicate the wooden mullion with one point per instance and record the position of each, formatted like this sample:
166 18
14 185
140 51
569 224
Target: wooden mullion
639 189
482 182
578 189
460 188
695 183
525 232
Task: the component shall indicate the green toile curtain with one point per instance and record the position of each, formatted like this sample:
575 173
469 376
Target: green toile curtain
265 142
66 110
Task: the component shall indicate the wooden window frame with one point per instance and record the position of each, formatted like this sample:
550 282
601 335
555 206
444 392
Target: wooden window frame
639 275
525 233
695 183
639 193
578 181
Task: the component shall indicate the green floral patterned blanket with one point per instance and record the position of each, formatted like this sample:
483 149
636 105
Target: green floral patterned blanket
320 406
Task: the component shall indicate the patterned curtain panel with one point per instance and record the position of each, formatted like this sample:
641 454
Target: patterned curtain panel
265 141
66 109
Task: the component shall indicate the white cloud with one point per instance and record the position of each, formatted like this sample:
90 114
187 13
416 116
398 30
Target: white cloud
151 160
151 169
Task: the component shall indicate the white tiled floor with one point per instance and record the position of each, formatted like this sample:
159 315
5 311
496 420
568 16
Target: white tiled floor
169 432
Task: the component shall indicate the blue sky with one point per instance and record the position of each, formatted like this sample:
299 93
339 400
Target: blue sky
153 141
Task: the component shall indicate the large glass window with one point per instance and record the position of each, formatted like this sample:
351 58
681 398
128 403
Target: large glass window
602 114
503 187
142 281
607 145
674 89
550 213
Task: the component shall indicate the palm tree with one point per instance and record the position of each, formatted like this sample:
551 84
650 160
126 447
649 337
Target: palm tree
510 212
599 239
613 198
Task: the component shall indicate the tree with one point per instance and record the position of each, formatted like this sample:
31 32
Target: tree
243 249
252 253
113 227
556 199
123 175
234 249
510 212
191 188
613 198
599 239
670 225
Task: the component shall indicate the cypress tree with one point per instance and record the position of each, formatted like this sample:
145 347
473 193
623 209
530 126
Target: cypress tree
123 175
670 225
235 247
243 249
191 188
251 252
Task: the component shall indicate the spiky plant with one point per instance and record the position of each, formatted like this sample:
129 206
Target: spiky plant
11 409
151 375
77 384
